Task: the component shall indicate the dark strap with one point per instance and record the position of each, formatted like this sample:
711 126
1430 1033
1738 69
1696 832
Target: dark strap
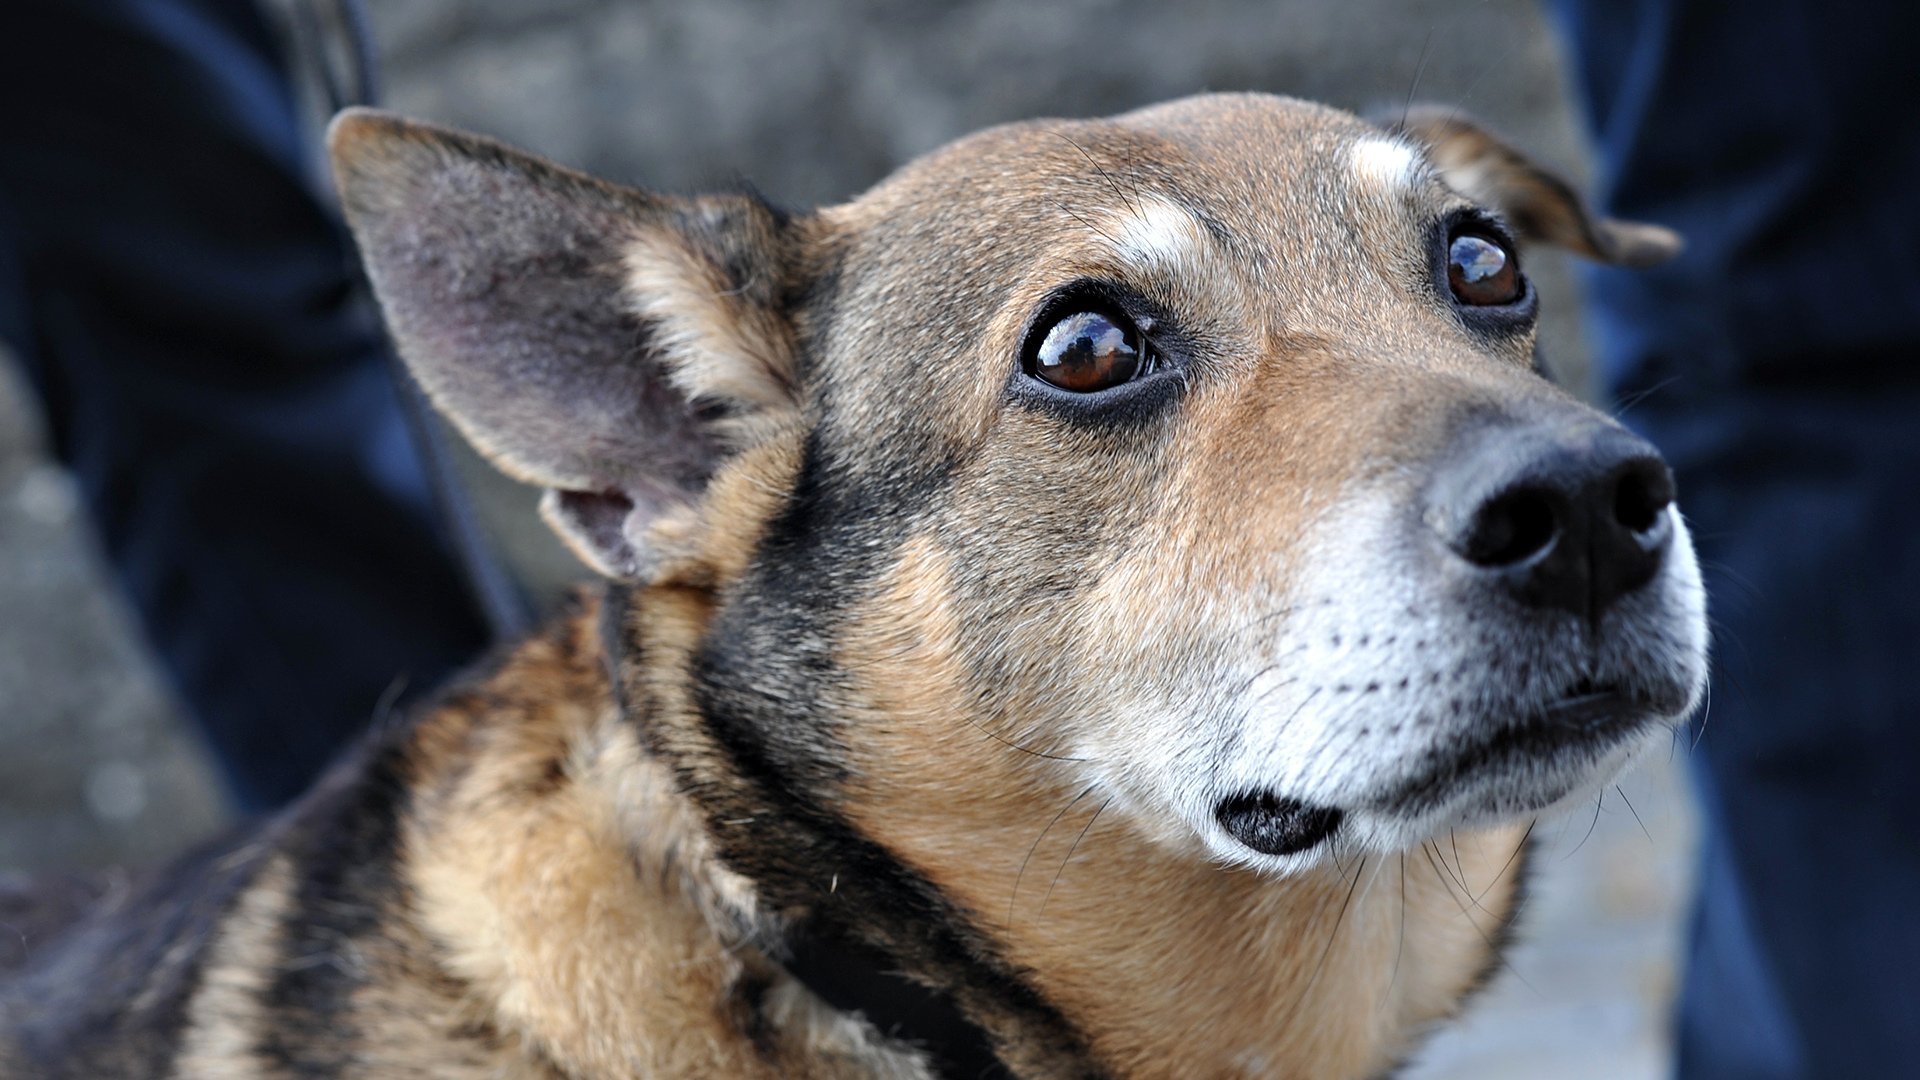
855 978
850 976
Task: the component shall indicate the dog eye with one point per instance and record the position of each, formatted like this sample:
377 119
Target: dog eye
1087 351
1482 271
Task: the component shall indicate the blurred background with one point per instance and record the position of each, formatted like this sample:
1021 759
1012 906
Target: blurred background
812 102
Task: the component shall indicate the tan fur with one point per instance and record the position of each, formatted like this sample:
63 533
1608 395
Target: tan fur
1477 163
594 904
226 1026
718 349
965 632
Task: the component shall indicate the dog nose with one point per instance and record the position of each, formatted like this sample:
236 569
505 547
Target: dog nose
1571 516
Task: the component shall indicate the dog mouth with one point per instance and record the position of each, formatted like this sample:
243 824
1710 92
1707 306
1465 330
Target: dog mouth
1510 768
1532 763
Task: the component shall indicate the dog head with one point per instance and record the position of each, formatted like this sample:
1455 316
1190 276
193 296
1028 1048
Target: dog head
1191 465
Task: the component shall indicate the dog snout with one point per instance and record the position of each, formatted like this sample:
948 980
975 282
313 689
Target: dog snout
1559 515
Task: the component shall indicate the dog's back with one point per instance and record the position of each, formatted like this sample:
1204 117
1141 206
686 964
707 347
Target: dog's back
237 959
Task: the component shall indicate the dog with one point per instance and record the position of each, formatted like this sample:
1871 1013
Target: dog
1106 602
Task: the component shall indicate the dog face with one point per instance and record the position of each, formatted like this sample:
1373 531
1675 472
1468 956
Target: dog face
1326 561
1196 454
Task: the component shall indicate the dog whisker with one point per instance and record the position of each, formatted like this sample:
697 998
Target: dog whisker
1075 846
1014 896
1618 790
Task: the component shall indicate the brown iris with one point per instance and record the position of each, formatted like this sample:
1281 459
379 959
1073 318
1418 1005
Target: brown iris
1088 351
1481 271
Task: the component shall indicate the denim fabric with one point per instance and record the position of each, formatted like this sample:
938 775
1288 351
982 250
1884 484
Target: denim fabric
184 302
1775 363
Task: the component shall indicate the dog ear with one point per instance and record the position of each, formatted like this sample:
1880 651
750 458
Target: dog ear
1540 205
605 343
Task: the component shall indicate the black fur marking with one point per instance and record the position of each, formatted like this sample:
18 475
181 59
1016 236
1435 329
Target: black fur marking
810 300
762 765
750 1003
110 998
615 602
854 978
796 850
821 550
344 847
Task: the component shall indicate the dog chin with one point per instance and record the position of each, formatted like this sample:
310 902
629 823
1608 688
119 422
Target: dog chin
1482 799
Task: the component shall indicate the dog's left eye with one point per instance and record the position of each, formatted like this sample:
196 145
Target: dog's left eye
1482 271
1088 351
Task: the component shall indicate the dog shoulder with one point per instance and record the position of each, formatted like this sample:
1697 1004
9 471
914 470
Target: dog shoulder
292 944
504 885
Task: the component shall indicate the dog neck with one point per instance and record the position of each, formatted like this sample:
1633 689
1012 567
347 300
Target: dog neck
616 920
1086 947
571 891
846 974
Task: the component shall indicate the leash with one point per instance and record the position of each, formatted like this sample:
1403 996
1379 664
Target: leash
354 80
849 975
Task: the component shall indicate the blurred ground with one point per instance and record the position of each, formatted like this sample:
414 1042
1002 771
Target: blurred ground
812 102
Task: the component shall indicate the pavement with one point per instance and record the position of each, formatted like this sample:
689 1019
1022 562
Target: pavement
813 101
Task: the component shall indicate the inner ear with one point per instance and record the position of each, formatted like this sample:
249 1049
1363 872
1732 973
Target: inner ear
1541 205
600 526
606 343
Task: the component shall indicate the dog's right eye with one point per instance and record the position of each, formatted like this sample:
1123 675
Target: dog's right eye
1089 351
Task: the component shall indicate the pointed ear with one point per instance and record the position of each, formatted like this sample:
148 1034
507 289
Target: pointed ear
1540 205
605 343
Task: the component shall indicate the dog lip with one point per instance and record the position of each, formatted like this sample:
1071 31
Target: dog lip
1272 825
1575 732
1587 715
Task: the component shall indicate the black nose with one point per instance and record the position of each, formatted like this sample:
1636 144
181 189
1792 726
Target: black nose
1570 516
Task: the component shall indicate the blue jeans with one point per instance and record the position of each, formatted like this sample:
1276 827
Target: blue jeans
1777 364
184 303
